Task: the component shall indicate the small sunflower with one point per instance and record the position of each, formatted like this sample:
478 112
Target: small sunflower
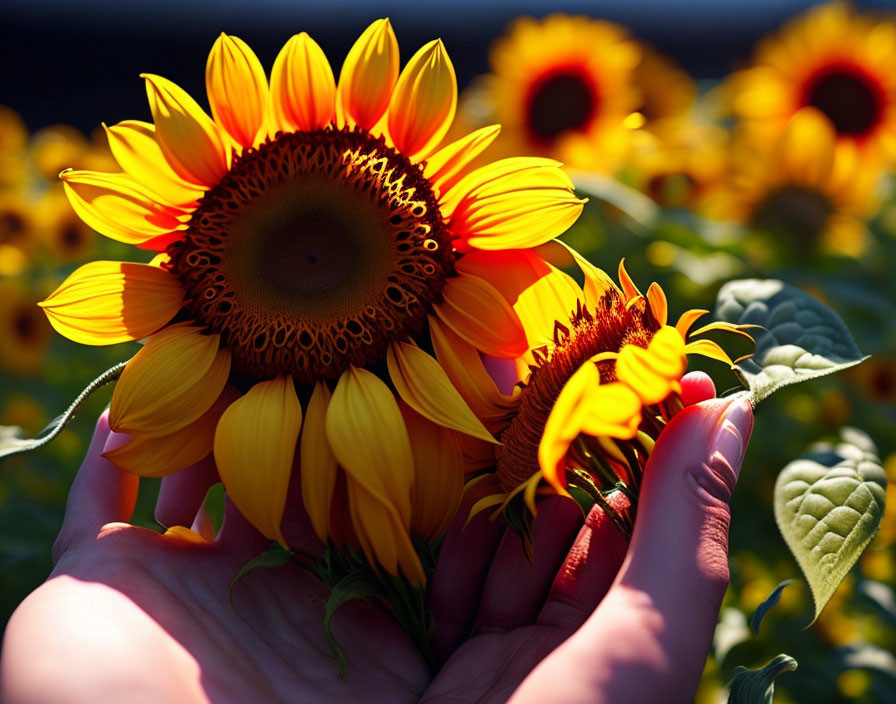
561 87
834 60
17 232
666 90
24 331
801 189
596 396
311 234
65 235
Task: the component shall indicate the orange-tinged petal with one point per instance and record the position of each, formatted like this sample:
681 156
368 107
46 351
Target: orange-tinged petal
384 537
477 312
423 102
103 303
439 478
710 349
368 75
424 386
446 167
237 89
687 320
188 137
148 456
728 327
368 436
656 299
172 381
464 367
302 86
512 204
255 444
317 462
655 372
135 148
117 207
628 286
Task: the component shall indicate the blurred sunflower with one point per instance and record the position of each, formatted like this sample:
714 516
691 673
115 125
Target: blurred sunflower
561 87
65 235
312 232
17 232
594 400
801 190
666 90
13 146
24 331
830 58
876 378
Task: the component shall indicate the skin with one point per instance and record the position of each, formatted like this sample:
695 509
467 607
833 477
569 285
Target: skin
129 615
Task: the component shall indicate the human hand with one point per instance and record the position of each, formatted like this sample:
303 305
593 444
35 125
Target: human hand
129 615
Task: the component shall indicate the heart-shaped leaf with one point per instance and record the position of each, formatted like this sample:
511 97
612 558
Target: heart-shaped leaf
11 441
801 338
758 686
828 505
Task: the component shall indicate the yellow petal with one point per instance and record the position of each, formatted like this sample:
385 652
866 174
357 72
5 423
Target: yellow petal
384 537
475 310
628 286
135 148
172 381
655 372
368 436
424 386
368 75
148 456
687 320
805 151
255 444
513 203
710 349
188 137
656 299
117 207
317 462
445 168
237 89
439 478
464 367
423 102
302 86
103 303
611 410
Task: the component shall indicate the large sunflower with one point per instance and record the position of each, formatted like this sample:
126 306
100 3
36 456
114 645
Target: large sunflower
801 190
563 87
310 234
834 60
591 402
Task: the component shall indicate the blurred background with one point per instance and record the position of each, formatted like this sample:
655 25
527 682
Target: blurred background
695 173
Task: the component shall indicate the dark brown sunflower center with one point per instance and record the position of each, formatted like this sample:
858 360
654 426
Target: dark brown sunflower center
71 237
315 252
608 328
11 226
562 101
795 212
24 325
851 100
671 190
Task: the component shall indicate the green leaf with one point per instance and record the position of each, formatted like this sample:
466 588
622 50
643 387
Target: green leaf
766 605
758 686
355 585
828 505
11 440
641 210
275 556
801 338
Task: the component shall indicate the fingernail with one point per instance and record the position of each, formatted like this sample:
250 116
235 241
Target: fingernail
730 439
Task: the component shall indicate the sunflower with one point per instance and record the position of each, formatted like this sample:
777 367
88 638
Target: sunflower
801 190
24 332
311 234
67 237
830 58
595 397
666 90
13 145
17 230
561 87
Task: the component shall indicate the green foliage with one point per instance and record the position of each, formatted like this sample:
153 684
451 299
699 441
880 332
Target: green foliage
828 505
758 686
766 605
355 585
800 337
275 556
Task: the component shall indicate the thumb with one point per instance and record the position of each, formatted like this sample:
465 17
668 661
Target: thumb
652 631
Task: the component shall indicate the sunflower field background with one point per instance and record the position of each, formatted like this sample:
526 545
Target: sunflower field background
713 143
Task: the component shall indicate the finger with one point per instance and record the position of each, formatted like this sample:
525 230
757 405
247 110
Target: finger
182 493
696 387
101 493
654 628
464 559
238 537
587 572
515 588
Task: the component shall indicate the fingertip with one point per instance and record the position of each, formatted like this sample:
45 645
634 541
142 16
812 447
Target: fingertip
115 440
